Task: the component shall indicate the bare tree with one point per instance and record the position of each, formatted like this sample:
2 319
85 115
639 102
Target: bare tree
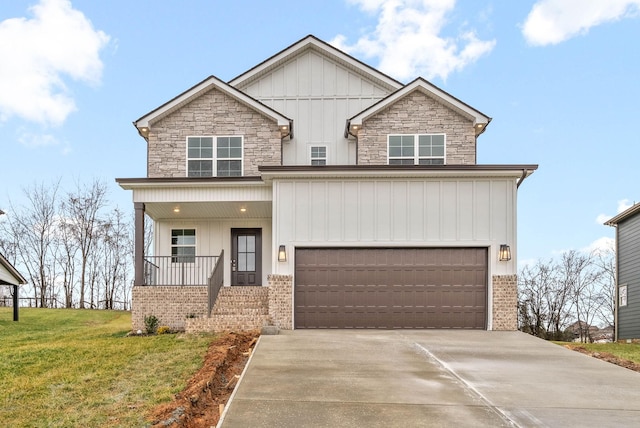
605 260
81 209
31 232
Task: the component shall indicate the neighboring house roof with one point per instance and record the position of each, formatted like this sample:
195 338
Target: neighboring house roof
194 92
624 215
312 42
8 274
479 119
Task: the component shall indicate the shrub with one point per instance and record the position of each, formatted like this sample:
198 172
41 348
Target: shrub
151 324
163 329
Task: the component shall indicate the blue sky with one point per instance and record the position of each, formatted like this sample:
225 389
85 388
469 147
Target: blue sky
560 78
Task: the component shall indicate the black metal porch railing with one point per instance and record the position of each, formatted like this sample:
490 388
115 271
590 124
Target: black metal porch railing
179 270
216 280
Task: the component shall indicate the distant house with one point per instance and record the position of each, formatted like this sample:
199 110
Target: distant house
627 308
314 191
10 276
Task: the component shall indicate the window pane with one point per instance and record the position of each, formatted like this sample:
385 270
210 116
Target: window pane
242 262
431 162
251 262
251 244
242 243
438 140
318 162
200 168
206 152
394 140
229 168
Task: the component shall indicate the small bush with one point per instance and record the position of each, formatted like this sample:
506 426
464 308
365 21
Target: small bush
151 324
163 329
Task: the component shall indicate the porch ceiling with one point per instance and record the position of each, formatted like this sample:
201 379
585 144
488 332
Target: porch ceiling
208 210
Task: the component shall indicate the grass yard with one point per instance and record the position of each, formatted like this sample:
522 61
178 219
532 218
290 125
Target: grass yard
623 351
70 368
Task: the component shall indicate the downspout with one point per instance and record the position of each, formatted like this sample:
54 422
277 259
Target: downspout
347 132
524 175
290 135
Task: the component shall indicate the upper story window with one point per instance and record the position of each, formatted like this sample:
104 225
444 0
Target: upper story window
622 295
183 245
419 149
214 156
318 155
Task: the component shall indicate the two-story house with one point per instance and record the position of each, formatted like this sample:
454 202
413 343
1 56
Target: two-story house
314 191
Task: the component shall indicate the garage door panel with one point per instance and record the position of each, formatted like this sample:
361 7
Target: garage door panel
391 288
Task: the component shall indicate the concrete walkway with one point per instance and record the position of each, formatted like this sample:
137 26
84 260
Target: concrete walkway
346 378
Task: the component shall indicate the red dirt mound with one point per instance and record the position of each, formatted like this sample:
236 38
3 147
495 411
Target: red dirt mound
202 401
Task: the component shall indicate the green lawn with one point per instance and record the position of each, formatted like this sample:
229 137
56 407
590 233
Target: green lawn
626 351
70 368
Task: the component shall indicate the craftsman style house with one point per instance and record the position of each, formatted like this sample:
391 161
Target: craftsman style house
627 307
313 191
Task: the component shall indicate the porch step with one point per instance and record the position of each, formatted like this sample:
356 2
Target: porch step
236 308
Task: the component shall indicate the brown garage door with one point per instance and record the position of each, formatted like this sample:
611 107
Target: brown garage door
390 288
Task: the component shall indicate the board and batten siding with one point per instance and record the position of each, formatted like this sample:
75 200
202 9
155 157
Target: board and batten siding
629 275
319 95
396 212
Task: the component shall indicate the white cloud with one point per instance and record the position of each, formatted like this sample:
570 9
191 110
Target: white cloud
553 21
623 204
35 141
37 54
408 40
601 245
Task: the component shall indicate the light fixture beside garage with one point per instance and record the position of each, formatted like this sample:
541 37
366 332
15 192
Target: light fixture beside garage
282 254
505 253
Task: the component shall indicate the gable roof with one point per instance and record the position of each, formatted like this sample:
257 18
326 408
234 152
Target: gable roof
312 42
480 120
8 274
628 213
201 88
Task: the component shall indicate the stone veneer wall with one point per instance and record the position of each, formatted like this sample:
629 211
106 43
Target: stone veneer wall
280 301
212 113
417 114
505 302
170 304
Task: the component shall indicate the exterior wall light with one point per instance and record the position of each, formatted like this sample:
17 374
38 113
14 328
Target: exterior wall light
282 254
504 253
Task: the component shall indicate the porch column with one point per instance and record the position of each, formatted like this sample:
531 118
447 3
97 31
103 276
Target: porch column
138 245
15 303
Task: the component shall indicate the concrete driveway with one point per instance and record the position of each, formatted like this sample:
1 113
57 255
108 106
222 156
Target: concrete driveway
347 378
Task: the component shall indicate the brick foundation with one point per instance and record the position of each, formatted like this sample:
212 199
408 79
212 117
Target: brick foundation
505 302
170 304
280 301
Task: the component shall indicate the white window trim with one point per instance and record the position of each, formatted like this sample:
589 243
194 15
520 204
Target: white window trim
622 303
416 147
326 153
214 159
195 243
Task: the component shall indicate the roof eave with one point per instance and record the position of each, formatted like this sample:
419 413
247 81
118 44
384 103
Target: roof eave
629 212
